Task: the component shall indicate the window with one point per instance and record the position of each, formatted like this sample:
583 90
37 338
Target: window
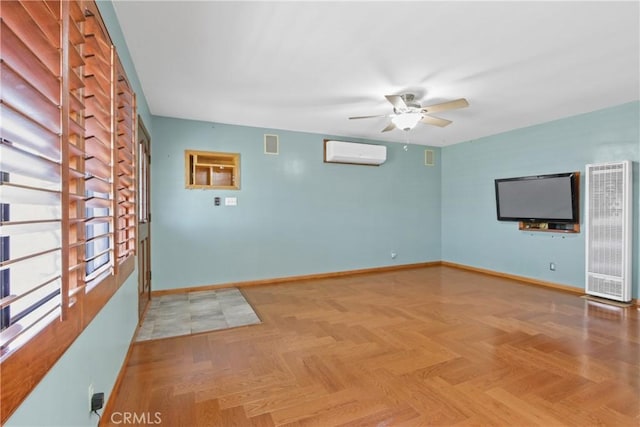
67 184
30 276
31 173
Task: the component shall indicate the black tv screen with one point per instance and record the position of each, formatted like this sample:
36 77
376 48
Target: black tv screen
542 198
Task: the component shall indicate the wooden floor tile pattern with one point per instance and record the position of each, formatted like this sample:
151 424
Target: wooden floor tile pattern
430 346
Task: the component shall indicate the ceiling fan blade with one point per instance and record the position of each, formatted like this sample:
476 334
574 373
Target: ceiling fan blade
389 127
366 117
436 121
397 101
450 105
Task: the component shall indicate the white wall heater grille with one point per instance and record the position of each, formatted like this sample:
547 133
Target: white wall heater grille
608 230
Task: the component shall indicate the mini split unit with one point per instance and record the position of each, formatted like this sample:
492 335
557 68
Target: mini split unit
354 153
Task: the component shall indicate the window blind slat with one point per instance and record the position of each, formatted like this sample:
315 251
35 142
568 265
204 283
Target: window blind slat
75 80
17 334
124 203
124 151
94 202
124 111
92 28
45 20
23 163
94 128
75 10
28 195
96 184
75 35
75 58
26 63
125 181
33 271
94 166
22 96
95 88
99 254
22 130
98 68
93 48
31 253
4 302
98 110
19 20
126 193
98 220
17 227
54 7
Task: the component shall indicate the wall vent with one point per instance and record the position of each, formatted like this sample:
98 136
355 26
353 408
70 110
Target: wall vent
608 230
429 158
271 144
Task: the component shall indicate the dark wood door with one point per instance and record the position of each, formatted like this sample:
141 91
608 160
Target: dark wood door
144 218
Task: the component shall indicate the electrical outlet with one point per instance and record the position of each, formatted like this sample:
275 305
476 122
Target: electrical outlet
393 255
97 402
552 266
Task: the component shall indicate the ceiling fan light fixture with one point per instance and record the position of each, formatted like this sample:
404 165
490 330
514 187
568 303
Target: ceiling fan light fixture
406 121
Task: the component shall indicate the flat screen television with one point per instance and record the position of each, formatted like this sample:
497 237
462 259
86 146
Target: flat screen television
541 198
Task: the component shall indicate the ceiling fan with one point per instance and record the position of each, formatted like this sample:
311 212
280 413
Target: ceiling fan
407 112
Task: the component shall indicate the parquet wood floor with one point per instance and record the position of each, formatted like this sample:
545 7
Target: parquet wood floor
429 346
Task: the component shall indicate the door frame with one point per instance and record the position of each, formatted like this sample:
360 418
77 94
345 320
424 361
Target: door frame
143 243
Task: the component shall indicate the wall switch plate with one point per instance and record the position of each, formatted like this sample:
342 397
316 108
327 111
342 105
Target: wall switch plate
231 201
90 393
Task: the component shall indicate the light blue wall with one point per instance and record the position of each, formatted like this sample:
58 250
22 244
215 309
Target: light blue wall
471 234
295 215
61 398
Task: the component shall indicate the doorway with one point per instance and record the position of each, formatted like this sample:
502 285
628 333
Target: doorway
144 219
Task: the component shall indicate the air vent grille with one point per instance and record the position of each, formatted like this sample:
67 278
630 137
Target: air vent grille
604 286
608 239
271 144
429 158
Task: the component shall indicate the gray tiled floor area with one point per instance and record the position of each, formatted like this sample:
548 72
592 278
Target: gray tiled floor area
193 312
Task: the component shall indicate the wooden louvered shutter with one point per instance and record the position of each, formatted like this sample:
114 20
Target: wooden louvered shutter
126 166
31 171
67 183
98 98
74 152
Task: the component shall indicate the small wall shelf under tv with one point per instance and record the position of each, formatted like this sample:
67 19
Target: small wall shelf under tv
550 227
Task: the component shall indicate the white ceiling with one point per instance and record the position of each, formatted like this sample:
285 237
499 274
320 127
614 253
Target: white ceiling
307 66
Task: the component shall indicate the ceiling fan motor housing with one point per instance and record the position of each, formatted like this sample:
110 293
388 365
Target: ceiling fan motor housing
412 105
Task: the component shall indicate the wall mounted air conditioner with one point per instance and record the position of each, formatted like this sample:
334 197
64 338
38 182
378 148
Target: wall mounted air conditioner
354 153
608 237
